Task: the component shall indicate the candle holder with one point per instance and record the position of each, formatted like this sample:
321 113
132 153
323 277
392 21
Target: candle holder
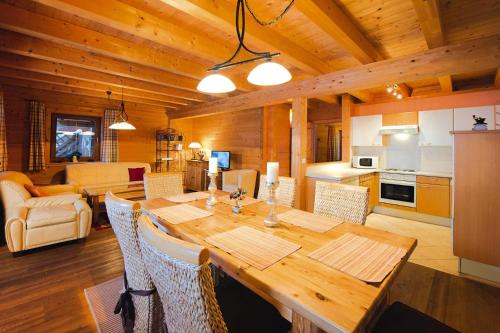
212 188
271 220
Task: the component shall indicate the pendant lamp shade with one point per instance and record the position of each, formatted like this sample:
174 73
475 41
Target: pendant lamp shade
269 74
216 84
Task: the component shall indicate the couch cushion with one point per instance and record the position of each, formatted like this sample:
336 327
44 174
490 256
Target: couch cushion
44 216
95 173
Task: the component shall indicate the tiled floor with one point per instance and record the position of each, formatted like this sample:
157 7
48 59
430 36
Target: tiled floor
434 247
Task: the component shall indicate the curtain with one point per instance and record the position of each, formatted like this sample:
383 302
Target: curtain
330 144
36 160
109 145
3 137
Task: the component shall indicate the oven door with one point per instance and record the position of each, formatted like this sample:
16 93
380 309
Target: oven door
398 192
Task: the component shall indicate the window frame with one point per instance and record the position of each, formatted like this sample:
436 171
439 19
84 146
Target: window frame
53 129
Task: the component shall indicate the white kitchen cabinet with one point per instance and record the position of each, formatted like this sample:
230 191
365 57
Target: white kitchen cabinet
434 128
366 131
463 120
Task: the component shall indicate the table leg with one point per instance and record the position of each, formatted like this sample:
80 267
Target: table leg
303 325
95 209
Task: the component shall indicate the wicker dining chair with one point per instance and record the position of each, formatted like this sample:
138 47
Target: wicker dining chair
346 202
285 192
138 285
181 273
157 185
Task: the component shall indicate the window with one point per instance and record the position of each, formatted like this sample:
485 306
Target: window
74 135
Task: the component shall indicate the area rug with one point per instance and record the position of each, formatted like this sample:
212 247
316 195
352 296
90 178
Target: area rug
102 300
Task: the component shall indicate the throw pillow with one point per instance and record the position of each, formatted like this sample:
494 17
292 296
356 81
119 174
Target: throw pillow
136 174
35 191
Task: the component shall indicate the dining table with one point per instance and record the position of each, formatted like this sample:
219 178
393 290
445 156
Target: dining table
313 296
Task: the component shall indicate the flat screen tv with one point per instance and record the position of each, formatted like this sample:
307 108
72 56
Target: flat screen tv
223 159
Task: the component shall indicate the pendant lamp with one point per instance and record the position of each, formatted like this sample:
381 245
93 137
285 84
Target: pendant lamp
121 120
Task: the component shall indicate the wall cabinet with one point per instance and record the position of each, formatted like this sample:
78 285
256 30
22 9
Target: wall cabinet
435 127
463 120
433 196
366 130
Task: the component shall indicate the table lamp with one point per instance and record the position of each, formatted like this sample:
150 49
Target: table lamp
194 146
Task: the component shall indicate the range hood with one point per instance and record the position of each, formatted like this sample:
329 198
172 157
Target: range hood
408 129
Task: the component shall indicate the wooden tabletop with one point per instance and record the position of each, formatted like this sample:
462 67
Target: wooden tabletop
101 190
307 290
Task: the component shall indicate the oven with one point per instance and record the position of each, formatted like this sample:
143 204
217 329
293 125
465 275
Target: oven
398 189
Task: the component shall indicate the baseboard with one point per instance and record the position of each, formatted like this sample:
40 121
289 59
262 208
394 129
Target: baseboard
479 271
404 214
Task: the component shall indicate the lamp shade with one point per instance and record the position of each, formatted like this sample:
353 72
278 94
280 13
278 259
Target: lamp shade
269 74
122 125
216 84
194 145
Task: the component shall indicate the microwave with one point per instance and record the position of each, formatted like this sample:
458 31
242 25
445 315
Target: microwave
365 162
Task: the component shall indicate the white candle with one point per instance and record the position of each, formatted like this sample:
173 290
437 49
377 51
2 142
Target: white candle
272 172
212 165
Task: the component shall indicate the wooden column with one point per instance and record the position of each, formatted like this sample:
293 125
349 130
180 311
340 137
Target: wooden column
347 106
299 147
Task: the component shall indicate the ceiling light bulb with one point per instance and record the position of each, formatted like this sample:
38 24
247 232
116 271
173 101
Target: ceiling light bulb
122 125
269 74
216 84
399 96
389 89
394 92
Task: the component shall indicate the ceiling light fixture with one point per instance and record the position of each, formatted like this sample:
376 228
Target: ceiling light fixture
394 90
121 120
266 74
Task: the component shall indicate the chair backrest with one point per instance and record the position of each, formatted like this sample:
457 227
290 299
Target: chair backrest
285 192
346 202
244 178
183 279
157 185
123 215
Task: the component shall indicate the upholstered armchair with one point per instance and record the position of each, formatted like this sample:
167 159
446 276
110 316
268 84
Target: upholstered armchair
244 178
32 222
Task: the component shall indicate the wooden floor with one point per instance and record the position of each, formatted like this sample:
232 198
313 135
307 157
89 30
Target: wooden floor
43 291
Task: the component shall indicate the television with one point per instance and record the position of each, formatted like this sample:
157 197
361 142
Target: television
223 159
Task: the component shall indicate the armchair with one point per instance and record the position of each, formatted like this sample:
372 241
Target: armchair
244 178
34 222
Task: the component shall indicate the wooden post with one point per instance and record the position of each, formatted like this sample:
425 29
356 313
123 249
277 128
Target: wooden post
299 147
347 106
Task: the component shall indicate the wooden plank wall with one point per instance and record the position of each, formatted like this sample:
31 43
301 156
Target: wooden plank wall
276 137
138 145
238 132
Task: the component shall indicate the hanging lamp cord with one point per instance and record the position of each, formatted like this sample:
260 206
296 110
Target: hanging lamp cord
272 21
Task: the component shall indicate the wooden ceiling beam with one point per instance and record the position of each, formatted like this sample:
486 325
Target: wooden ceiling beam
75 83
221 14
330 18
430 22
33 47
80 91
474 55
446 83
329 99
404 89
363 95
113 81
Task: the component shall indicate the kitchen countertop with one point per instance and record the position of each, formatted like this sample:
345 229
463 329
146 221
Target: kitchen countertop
340 172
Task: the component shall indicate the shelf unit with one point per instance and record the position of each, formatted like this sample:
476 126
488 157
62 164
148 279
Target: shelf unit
169 151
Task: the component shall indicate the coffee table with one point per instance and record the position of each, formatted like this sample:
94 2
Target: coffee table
95 195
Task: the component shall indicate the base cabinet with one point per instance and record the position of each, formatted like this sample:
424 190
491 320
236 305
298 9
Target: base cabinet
195 177
433 196
372 182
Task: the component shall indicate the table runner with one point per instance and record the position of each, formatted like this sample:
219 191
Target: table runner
187 197
180 213
254 247
245 202
308 220
360 257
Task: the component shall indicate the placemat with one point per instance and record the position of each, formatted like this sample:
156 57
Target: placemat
254 247
245 202
187 197
180 213
363 258
308 220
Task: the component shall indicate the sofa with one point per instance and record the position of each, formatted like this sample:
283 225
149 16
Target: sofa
30 222
244 178
103 174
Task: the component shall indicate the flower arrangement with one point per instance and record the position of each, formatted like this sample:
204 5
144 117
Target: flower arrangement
480 124
237 196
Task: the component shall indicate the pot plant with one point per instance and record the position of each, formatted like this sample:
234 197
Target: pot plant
237 196
480 124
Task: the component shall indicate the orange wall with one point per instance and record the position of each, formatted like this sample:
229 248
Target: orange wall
456 100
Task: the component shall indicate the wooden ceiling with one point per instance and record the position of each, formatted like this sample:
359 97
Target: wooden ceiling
158 50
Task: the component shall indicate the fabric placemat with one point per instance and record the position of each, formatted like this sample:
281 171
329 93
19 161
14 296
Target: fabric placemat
187 197
308 220
180 213
360 257
245 202
254 247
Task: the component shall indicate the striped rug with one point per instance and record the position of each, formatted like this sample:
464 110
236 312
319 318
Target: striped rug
102 300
